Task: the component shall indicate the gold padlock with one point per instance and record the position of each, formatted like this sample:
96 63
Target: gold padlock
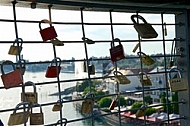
36 118
21 66
17 118
146 59
31 97
176 84
16 49
57 106
87 104
144 79
57 42
140 112
121 79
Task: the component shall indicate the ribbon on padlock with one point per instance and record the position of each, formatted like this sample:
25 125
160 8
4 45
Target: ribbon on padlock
17 118
31 97
16 49
120 78
57 106
54 70
145 30
21 65
116 52
146 59
12 78
91 68
48 33
63 120
144 79
178 83
113 103
87 104
36 118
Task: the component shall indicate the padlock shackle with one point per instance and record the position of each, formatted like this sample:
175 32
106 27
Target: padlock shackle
143 73
138 17
58 60
44 21
17 40
115 40
22 63
141 53
173 70
7 62
22 103
116 72
31 83
36 105
60 121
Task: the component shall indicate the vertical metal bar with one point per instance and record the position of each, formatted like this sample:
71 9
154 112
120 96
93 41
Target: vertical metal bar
115 65
86 53
55 56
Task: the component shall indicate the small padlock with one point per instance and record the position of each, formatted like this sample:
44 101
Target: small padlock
53 71
87 40
36 118
121 79
16 49
91 68
144 79
84 66
31 97
87 104
17 118
48 33
146 59
176 84
145 30
116 52
12 78
57 42
58 106
140 112
113 104
21 66
63 120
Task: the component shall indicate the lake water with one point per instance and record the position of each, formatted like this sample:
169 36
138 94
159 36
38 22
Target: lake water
11 97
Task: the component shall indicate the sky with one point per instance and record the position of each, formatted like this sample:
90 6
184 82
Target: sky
44 51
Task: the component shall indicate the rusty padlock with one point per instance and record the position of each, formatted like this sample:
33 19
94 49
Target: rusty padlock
146 59
16 49
58 106
87 104
120 78
116 52
145 30
12 78
54 70
21 66
36 118
31 97
176 84
17 118
48 33
145 79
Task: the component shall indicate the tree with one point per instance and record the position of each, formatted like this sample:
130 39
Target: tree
105 102
148 99
135 106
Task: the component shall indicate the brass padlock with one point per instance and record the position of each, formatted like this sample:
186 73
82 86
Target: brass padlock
176 84
17 118
31 97
120 78
57 42
63 120
140 112
146 59
145 30
144 79
58 106
21 66
87 104
36 118
16 49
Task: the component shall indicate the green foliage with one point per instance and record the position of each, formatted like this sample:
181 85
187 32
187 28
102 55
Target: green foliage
105 102
148 99
150 111
135 106
175 106
98 94
123 102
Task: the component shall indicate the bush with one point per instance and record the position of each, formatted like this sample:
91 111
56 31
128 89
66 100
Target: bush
105 102
150 111
135 106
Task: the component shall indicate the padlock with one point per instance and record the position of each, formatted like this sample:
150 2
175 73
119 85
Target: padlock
113 103
48 33
58 106
17 118
87 40
16 49
176 84
54 70
57 42
91 68
121 79
87 104
36 118
116 52
12 78
145 30
84 66
140 112
144 79
31 97
146 59
21 66
63 120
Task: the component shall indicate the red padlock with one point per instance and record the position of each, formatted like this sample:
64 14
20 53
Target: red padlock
116 52
53 71
11 79
47 33
113 104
